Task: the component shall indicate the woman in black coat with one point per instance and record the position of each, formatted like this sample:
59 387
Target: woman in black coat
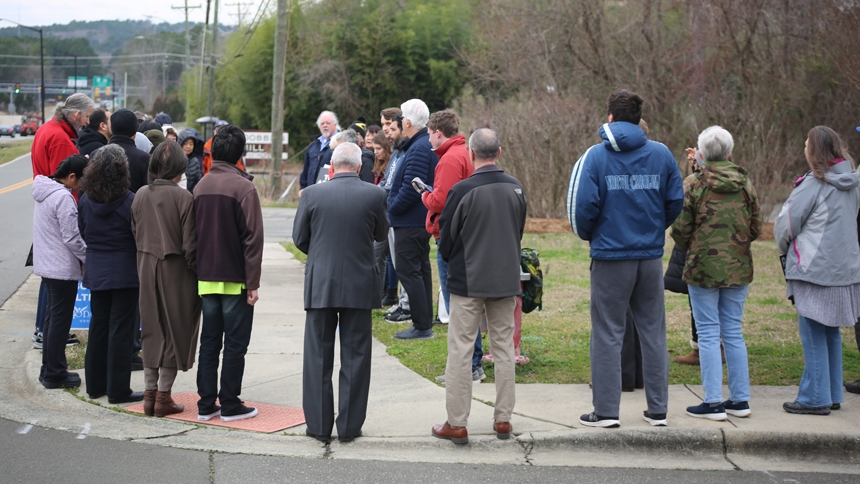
192 144
104 220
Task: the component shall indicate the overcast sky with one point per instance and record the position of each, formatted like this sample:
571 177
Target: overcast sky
48 12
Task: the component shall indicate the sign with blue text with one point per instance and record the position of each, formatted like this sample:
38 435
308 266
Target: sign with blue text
83 313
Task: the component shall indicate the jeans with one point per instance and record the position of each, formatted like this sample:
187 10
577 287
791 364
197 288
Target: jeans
718 313
42 306
229 318
821 383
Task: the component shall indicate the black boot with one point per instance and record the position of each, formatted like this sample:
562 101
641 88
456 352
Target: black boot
390 297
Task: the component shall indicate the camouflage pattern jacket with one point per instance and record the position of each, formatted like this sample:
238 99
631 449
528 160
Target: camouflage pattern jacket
719 221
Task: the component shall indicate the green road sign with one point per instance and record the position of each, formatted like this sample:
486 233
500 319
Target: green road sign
101 81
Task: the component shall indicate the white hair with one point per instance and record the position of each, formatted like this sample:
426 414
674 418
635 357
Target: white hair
346 155
715 144
416 112
327 113
75 103
348 136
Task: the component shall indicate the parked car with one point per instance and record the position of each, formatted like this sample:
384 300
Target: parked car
17 128
7 131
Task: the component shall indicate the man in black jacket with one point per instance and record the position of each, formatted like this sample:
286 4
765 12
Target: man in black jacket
124 126
481 226
96 134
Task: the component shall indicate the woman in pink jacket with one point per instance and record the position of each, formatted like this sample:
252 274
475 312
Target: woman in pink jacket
59 254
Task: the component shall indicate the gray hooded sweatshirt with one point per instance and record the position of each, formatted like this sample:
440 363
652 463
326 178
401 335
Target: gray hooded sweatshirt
817 229
59 252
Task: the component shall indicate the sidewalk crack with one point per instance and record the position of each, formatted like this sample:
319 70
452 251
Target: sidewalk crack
528 447
211 467
176 434
726 451
328 451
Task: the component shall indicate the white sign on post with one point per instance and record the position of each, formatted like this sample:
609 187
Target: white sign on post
259 145
79 82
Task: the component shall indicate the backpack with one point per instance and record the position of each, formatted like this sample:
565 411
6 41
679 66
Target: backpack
532 288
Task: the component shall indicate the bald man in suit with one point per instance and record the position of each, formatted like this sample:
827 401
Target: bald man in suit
336 225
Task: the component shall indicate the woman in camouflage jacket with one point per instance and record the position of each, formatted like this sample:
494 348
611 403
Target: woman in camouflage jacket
719 221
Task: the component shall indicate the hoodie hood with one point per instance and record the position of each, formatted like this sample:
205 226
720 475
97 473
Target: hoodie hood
723 177
44 187
622 136
107 209
198 140
88 135
842 177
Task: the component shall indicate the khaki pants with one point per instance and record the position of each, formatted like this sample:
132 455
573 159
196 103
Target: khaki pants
466 313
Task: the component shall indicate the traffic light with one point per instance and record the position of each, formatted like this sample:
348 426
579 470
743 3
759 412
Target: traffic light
17 88
107 91
60 96
96 92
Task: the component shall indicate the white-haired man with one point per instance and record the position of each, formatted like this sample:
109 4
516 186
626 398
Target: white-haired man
336 225
318 153
407 215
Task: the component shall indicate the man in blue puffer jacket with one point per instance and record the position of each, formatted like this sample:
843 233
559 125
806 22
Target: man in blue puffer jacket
623 195
407 215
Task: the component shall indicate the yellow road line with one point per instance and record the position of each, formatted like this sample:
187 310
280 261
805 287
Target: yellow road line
16 186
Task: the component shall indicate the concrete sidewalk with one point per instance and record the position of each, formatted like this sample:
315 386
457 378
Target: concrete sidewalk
403 406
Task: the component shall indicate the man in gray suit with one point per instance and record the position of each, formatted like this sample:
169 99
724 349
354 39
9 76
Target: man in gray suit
336 225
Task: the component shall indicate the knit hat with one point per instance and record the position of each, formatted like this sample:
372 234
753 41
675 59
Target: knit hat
163 119
123 122
155 136
359 126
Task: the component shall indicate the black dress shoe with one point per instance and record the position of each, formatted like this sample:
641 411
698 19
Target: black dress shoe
322 438
96 396
346 439
72 380
132 397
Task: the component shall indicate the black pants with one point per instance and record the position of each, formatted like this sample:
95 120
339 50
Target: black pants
380 250
321 326
225 318
111 342
693 321
412 252
61 296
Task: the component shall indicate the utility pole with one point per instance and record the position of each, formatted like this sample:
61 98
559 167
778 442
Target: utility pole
76 73
238 5
280 62
203 46
187 32
213 51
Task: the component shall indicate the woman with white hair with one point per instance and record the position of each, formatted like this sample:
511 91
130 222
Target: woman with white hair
717 225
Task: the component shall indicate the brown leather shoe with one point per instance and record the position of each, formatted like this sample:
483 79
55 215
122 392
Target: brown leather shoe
164 405
149 402
503 430
458 435
691 359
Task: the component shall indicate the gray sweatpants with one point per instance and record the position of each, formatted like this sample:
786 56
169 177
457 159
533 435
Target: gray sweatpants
615 286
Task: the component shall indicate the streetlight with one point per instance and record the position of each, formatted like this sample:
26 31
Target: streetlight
42 60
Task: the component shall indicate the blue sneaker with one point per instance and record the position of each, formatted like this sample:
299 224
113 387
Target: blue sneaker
710 411
737 409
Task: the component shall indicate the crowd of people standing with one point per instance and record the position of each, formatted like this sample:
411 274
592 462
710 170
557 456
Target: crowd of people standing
110 212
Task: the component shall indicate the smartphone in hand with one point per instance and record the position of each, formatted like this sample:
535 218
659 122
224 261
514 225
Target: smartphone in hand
420 187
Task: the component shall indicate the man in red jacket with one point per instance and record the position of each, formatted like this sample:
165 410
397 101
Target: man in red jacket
53 143
454 166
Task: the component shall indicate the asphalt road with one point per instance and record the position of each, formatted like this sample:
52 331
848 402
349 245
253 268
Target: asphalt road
16 220
35 454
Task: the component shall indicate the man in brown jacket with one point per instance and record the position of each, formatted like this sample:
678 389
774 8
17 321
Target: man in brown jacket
229 263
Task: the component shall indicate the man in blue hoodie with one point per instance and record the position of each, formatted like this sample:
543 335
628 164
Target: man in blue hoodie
623 195
407 215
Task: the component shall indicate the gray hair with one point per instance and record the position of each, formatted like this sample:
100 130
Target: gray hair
348 136
715 144
485 143
75 103
327 113
346 155
416 112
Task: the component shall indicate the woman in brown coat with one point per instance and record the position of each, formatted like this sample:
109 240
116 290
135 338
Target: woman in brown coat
163 222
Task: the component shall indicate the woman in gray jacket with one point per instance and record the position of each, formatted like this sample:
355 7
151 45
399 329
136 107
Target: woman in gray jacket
817 232
59 254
